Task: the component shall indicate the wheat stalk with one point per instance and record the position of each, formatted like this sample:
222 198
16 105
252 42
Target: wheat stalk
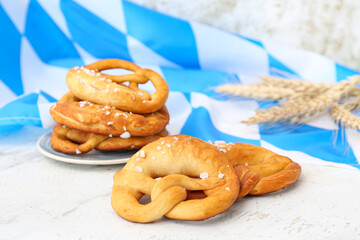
257 91
300 108
297 85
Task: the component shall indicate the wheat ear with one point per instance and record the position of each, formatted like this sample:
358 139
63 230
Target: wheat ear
301 108
342 113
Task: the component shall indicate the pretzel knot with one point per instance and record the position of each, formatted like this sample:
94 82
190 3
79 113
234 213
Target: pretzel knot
105 120
90 83
73 141
179 161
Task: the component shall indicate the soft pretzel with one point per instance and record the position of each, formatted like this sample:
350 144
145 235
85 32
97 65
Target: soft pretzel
106 120
73 141
89 83
259 170
178 160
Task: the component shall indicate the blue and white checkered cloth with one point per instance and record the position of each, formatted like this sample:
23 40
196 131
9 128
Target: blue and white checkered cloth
40 40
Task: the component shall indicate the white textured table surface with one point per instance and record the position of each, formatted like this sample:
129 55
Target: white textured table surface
42 198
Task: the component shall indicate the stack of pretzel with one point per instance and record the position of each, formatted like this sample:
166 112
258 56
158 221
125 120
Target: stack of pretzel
108 112
190 179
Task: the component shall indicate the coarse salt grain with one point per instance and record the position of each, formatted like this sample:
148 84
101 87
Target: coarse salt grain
116 89
124 128
110 135
221 175
158 148
107 112
162 143
77 151
125 135
204 175
82 105
139 169
227 188
168 145
142 153
158 178
137 159
110 123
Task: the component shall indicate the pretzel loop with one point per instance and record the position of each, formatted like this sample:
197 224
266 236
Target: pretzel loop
60 142
185 182
90 83
259 170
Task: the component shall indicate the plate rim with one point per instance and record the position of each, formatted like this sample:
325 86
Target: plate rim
75 161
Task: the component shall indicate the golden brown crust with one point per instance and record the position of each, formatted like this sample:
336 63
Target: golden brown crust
260 170
88 83
73 141
106 120
167 158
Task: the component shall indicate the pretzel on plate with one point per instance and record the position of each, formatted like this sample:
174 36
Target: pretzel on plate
90 83
259 170
106 120
179 161
73 141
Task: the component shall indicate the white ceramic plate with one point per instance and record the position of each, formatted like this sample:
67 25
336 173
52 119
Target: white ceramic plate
91 158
